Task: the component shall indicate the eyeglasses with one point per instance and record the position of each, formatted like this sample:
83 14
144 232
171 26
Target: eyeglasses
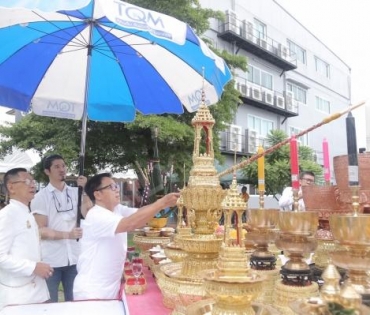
27 181
308 180
113 187
58 204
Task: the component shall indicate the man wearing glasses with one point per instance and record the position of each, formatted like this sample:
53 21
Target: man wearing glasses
55 210
306 178
22 274
104 243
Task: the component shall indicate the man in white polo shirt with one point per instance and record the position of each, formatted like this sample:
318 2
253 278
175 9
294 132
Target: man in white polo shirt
55 210
104 243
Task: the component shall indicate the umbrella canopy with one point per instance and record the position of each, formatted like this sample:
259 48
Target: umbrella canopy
80 62
103 60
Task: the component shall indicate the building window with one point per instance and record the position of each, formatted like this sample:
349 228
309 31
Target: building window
300 94
322 67
298 51
260 125
260 29
260 77
303 140
322 105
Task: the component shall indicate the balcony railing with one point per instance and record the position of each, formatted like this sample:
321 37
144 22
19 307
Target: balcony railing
245 36
243 142
255 95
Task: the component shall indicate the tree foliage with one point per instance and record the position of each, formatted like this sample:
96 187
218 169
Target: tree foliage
277 164
119 145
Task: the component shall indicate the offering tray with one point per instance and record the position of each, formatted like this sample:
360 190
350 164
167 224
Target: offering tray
307 307
204 307
173 270
145 242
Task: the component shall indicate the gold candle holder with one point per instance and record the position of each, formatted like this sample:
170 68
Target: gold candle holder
263 224
352 232
296 240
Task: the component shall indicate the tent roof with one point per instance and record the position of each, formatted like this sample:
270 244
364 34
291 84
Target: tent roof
26 159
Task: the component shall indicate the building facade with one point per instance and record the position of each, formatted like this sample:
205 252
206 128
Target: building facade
293 81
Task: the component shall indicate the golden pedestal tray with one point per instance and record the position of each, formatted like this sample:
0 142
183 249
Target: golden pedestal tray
204 307
145 242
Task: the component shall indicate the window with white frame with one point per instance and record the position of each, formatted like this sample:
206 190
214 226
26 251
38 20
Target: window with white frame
260 125
322 105
260 77
298 51
303 140
322 67
300 94
260 29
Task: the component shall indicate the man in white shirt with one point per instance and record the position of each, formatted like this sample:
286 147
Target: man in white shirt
104 243
22 274
286 200
55 211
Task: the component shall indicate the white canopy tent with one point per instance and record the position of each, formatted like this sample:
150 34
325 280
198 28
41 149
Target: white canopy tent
26 159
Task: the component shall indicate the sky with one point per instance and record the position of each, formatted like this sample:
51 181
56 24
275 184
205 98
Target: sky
343 25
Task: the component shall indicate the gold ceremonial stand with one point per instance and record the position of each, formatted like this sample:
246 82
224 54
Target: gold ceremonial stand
262 223
202 199
352 232
232 284
296 239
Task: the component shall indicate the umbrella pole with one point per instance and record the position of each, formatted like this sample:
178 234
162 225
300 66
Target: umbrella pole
81 164
84 122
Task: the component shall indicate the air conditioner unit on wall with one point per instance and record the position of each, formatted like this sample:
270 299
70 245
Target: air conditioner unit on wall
232 22
256 93
269 97
283 52
279 101
252 141
262 42
244 90
235 138
289 101
250 31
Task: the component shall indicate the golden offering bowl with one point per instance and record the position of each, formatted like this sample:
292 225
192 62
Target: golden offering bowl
263 218
261 238
158 223
206 244
351 229
346 260
175 253
296 247
237 293
298 222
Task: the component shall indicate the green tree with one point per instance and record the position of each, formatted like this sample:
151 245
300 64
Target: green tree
277 164
118 145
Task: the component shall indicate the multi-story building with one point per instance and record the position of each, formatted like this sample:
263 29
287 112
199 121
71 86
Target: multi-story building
293 81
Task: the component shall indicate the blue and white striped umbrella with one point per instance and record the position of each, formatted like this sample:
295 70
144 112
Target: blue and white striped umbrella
105 61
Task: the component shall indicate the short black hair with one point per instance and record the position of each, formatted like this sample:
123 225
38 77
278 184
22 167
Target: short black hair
11 174
94 183
303 173
48 160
